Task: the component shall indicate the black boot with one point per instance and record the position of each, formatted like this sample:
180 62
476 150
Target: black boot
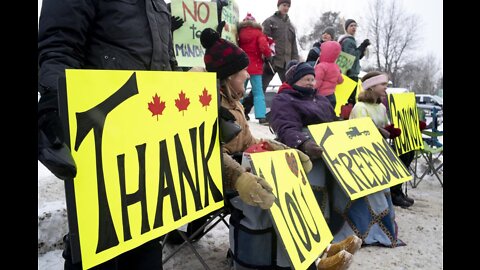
398 190
408 199
397 200
67 255
174 238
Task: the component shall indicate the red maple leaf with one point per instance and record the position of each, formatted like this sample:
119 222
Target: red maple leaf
156 107
205 99
182 102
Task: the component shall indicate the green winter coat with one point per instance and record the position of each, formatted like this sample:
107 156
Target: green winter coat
349 45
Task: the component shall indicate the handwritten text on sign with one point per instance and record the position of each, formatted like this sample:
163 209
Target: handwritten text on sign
197 15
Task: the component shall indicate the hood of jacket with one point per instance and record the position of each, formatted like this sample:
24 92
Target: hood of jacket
330 50
344 36
249 23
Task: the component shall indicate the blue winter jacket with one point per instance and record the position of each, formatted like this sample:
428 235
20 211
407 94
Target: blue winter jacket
293 110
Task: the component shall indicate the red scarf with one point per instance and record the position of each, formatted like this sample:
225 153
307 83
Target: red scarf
284 86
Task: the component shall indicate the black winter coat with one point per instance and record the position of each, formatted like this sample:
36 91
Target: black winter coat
100 34
314 52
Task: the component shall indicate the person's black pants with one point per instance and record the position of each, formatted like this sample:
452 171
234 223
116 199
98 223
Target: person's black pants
406 159
353 96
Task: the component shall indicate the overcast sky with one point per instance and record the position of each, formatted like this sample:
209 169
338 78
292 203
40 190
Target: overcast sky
304 12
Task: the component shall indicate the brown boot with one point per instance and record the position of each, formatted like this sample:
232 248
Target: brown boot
339 261
350 244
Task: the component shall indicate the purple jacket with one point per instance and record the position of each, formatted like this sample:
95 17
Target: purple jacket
293 110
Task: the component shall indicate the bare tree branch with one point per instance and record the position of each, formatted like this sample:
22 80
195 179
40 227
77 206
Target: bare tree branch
394 32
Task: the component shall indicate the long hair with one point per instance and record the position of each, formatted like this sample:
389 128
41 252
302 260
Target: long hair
367 95
228 91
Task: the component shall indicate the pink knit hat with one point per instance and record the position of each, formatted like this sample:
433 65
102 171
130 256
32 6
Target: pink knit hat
249 17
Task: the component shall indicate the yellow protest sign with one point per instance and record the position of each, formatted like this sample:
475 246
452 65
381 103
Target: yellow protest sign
197 15
359 89
230 15
147 153
343 91
295 213
404 115
358 156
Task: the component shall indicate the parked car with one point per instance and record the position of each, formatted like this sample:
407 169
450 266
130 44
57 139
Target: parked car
429 100
396 90
431 104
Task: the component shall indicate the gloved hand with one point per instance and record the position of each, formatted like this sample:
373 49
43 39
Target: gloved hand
365 43
273 145
394 132
49 123
312 149
52 151
422 124
254 190
177 22
269 59
174 65
363 47
222 3
220 27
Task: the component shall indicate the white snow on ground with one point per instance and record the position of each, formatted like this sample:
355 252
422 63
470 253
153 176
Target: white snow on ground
420 227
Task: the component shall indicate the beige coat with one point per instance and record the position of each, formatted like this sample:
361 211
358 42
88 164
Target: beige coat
245 138
239 144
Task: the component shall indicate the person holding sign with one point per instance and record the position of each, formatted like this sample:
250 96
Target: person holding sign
251 229
327 35
296 106
399 198
370 104
327 72
96 35
349 45
230 64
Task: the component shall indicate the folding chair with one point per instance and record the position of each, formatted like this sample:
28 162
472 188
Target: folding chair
215 218
212 221
431 154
